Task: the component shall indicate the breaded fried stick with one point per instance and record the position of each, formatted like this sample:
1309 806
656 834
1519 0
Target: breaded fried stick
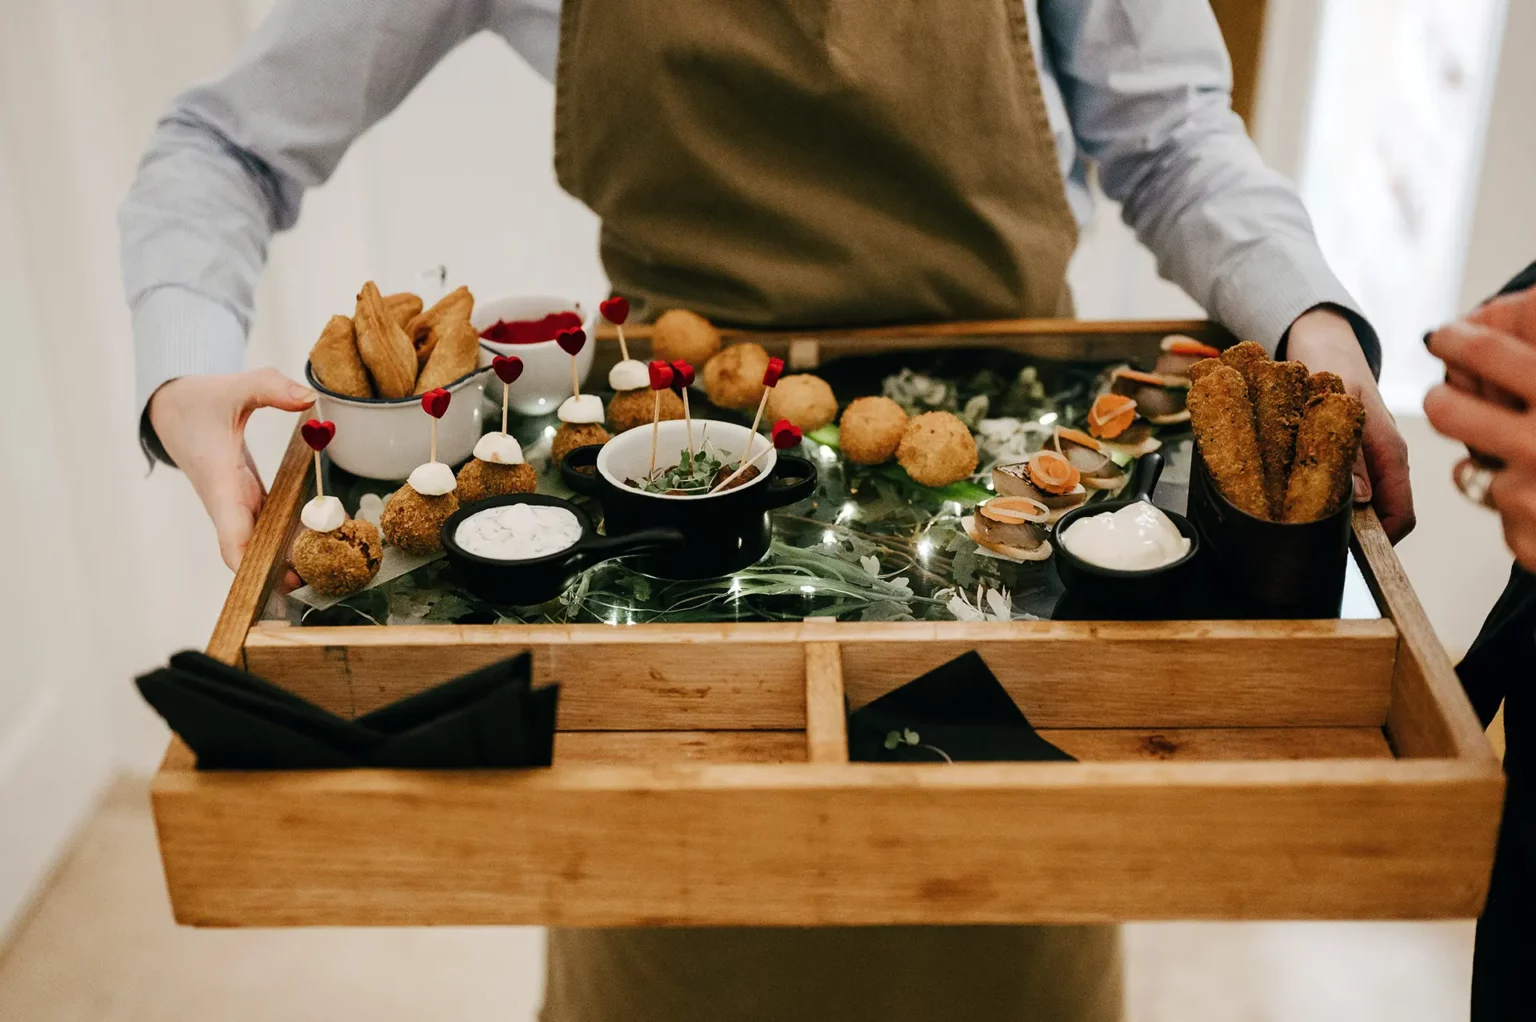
1326 445
1222 416
1279 394
1322 383
1246 357
1200 368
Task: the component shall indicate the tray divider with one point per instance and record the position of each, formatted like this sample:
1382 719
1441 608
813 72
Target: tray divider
826 721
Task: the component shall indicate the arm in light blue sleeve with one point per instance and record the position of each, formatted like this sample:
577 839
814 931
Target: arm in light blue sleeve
229 162
1147 84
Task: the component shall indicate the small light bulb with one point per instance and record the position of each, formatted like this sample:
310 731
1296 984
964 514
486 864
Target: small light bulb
847 511
924 547
549 432
828 536
1047 418
807 589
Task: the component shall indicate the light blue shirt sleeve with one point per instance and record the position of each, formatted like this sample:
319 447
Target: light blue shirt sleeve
1146 86
230 160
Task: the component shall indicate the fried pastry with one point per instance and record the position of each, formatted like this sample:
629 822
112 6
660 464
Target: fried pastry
1200 368
425 329
1222 415
1278 392
384 347
1322 383
335 361
456 353
403 308
1327 442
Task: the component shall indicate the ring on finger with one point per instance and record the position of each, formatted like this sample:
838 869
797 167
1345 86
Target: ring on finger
1474 480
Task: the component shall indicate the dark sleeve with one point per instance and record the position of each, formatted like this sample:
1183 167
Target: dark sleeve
1524 281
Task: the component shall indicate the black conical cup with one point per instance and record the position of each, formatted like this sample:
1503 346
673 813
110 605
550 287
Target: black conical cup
1273 569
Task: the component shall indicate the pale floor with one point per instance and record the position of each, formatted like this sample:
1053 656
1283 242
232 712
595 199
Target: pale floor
101 947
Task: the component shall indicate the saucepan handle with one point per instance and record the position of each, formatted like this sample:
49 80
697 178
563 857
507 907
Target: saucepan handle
606 548
588 483
794 479
1148 470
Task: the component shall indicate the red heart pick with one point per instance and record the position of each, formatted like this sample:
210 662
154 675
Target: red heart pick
435 402
786 435
615 310
572 340
318 434
773 372
682 374
661 375
507 367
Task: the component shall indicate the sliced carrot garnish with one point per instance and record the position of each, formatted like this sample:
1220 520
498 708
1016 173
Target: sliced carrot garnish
1077 436
1015 510
1052 472
1151 379
1177 345
1111 415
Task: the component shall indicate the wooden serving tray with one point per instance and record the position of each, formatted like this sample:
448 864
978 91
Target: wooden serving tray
1229 769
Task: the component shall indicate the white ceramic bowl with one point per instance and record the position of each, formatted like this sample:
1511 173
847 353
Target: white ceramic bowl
546 379
385 438
628 455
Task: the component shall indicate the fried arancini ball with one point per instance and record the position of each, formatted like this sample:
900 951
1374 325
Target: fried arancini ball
413 521
572 435
479 480
340 562
871 429
734 378
631 408
805 400
937 449
680 334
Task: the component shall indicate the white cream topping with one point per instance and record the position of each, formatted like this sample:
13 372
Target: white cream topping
323 514
581 409
631 374
1137 537
499 449
518 532
432 479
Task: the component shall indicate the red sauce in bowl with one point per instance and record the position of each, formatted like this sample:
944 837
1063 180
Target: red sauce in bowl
530 331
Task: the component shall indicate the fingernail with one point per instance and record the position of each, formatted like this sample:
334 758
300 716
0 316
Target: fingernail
1428 334
302 393
1362 489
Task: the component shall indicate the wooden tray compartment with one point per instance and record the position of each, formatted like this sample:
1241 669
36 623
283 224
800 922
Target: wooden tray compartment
1229 769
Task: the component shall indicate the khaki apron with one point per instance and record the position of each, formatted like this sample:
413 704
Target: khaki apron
779 163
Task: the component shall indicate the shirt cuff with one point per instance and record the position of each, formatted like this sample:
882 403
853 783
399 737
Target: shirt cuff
1266 292
177 332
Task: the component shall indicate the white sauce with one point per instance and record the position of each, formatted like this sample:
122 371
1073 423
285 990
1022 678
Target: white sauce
432 479
323 514
499 449
631 374
581 409
518 532
1138 537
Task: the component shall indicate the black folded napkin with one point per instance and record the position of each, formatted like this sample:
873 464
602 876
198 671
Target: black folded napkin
232 720
958 711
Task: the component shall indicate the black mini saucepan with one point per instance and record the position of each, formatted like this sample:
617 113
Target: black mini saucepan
1110 586
526 583
726 531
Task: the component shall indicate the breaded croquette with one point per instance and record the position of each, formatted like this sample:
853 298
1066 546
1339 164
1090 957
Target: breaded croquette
1327 442
340 562
630 409
413 521
1322 383
871 429
1279 393
734 377
805 400
572 435
480 480
1222 416
937 449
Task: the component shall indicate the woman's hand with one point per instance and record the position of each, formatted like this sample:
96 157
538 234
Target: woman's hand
200 421
1490 362
1325 341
